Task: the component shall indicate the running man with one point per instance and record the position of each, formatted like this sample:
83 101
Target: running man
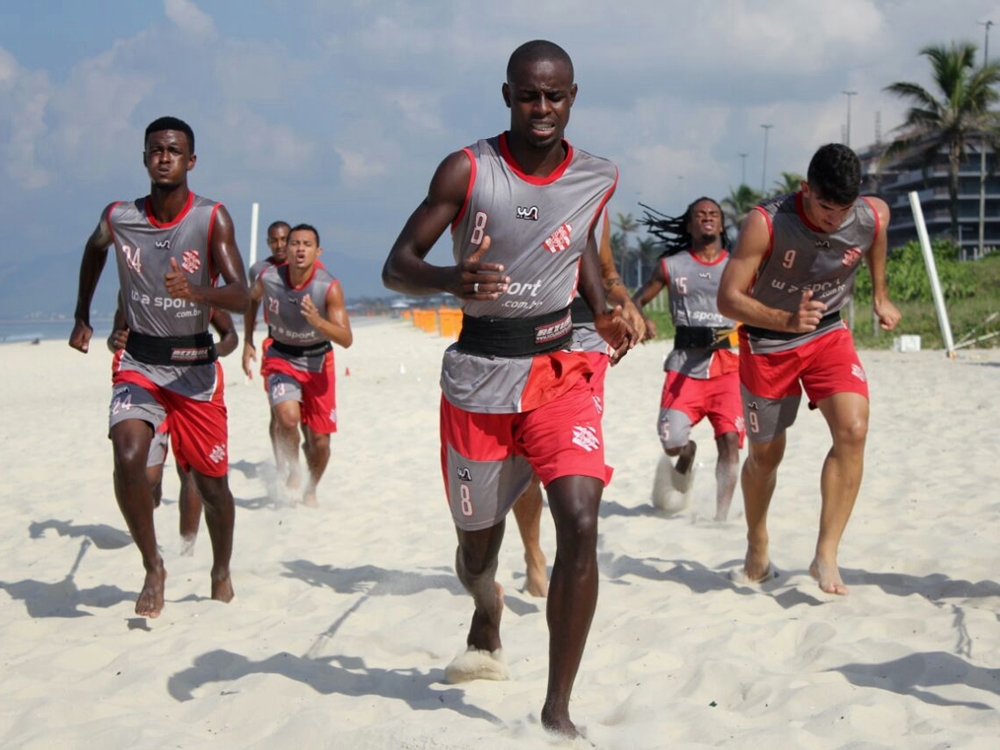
528 508
304 310
189 500
277 243
522 207
792 272
702 378
170 248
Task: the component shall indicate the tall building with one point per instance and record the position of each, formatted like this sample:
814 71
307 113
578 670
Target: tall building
893 181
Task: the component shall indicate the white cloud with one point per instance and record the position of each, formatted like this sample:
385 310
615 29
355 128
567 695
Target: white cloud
356 166
188 17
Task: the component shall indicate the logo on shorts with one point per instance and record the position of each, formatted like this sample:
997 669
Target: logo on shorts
586 437
739 424
464 474
857 372
218 454
333 415
598 404
190 261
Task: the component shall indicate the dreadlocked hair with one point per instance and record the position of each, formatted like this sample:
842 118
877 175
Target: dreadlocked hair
673 232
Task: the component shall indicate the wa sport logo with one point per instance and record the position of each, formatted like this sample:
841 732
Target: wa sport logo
528 214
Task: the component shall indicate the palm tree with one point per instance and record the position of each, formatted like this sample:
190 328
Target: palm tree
960 116
626 225
738 204
790 182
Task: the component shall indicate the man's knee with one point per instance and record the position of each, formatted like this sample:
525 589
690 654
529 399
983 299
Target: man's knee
851 432
766 457
286 419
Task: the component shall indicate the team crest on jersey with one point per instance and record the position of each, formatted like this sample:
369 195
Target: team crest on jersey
527 213
133 258
851 256
559 239
190 261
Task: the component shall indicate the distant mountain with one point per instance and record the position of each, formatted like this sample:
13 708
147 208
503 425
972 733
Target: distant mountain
47 284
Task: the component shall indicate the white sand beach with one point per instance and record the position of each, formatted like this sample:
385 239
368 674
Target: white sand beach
345 616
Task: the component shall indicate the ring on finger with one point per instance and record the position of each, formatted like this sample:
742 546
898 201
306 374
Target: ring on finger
475 288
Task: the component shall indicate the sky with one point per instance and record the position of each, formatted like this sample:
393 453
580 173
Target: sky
336 114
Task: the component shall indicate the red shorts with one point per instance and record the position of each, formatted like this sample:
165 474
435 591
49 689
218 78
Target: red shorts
772 383
717 398
825 366
199 433
600 362
487 459
315 391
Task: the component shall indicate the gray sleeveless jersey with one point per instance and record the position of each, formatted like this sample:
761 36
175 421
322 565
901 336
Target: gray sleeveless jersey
804 257
143 250
693 289
282 305
538 229
258 268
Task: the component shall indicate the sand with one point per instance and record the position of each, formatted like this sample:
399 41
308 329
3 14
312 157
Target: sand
346 615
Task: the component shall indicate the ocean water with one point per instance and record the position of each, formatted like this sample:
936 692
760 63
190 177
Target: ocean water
22 331
15 331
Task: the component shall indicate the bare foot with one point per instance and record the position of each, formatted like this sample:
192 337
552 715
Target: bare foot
828 575
222 588
558 722
150 601
756 564
536 574
484 633
309 499
187 545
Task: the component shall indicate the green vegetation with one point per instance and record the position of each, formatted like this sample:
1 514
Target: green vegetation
971 290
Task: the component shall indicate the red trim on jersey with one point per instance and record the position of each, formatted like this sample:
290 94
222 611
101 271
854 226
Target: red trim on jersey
666 273
468 190
531 179
801 211
177 219
878 219
301 286
604 202
722 256
770 246
212 273
107 218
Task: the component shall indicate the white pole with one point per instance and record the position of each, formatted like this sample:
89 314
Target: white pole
925 245
253 233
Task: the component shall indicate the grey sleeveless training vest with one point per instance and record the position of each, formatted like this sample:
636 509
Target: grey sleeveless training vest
803 257
538 229
282 305
693 288
143 251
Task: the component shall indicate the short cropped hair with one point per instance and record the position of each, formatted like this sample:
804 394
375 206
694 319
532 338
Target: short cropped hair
537 51
304 228
835 174
279 223
169 123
